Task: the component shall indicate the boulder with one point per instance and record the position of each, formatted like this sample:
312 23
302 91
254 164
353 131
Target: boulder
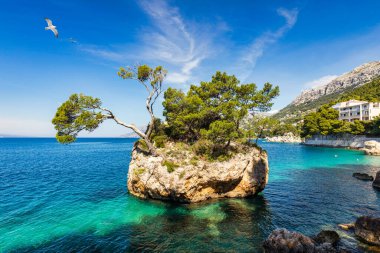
372 148
178 175
368 229
283 240
327 236
376 182
363 176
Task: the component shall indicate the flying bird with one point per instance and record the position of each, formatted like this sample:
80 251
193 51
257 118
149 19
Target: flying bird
51 27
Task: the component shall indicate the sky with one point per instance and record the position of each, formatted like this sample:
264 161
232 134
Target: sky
294 44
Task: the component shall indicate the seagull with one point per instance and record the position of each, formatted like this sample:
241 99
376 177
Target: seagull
51 27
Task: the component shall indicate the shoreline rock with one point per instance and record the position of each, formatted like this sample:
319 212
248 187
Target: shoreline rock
283 240
286 138
362 176
376 182
182 177
372 148
368 229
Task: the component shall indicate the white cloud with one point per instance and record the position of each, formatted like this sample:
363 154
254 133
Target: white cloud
320 81
258 46
181 45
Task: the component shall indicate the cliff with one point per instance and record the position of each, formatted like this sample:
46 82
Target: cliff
178 175
310 100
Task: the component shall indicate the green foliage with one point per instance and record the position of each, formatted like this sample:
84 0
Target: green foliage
202 147
194 161
140 171
215 109
78 113
325 122
374 127
182 174
262 126
159 141
144 73
170 166
141 144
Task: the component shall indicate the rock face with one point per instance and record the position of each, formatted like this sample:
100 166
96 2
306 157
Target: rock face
183 178
376 182
372 148
363 176
355 78
286 138
368 229
282 240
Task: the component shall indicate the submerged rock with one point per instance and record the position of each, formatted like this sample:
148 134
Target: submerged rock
363 176
368 229
182 177
283 240
376 182
372 148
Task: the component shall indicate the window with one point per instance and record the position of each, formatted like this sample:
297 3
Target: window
358 113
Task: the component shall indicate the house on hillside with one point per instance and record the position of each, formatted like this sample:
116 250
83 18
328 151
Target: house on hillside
357 110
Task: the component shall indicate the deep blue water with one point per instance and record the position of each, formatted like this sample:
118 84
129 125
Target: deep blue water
62 198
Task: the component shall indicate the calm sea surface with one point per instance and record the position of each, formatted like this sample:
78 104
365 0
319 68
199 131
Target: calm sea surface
70 198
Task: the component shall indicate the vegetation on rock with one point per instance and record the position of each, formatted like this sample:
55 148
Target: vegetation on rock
209 116
206 119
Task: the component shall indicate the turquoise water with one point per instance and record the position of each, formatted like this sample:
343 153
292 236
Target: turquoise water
61 198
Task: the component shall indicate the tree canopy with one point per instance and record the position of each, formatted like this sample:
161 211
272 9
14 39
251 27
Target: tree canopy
81 112
214 110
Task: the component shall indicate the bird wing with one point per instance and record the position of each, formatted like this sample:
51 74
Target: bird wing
55 31
48 21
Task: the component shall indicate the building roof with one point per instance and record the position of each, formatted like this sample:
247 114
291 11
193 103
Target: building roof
349 103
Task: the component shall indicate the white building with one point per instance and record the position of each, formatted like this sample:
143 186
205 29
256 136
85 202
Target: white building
357 110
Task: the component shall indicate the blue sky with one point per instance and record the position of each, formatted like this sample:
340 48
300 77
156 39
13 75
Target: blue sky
293 44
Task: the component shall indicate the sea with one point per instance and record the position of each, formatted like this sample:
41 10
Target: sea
74 198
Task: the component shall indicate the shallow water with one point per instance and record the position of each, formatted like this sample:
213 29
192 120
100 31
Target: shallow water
73 198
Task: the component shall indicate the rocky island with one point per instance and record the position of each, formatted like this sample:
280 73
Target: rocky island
201 151
181 176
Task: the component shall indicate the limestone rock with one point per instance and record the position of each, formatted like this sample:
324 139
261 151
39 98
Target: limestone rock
368 229
352 79
192 180
282 240
372 148
362 176
376 182
286 138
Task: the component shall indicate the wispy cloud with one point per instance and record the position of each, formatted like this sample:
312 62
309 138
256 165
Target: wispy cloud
181 45
320 81
260 44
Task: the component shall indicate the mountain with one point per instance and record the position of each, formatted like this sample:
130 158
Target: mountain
310 100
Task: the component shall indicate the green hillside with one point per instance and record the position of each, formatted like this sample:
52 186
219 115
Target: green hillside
294 113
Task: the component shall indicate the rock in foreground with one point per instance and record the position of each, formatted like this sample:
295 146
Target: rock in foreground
363 176
182 177
368 229
282 240
376 182
372 148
